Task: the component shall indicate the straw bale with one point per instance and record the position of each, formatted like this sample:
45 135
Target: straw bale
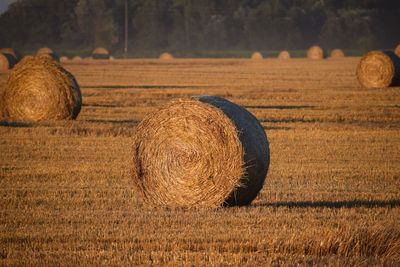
39 89
257 56
7 62
378 69
166 56
315 52
203 152
337 53
284 55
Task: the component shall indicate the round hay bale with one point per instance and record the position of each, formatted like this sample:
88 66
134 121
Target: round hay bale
39 89
77 58
7 62
166 56
10 51
203 152
47 52
257 56
100 53
397 50
378 69
337 53
315 52
284 55
64 59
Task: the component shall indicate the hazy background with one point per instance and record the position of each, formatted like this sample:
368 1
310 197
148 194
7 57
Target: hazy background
200 28
4 4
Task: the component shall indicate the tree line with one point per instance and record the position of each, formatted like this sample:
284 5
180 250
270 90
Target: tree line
174 25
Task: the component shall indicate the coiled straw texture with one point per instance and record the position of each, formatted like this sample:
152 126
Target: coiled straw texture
378 69
203 152
39 89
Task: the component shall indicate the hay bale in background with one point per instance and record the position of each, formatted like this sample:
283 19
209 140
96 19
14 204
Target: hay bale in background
378 69
10 51
204 152
47 52
100 53
166 56
315 52
39 89
77 58
284 55
64 59
397 50
337 53
257 56
7 62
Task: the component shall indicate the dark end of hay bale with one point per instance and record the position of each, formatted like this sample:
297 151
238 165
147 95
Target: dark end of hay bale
100 53
7 62
39 89
379 69
204 152
10 51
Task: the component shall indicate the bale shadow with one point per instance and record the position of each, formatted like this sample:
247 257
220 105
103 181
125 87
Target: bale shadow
143 87
116 122
280 107
13 124
334 204
294 120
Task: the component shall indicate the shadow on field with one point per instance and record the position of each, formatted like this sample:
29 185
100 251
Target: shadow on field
280 107
16 124
144 87
294 120
336 204
120 122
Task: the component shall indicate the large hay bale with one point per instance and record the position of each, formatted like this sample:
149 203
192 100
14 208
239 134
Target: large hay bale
7 62
284 55
204 152
378 69
100 53
166 56
315 52
257 56
10 51
47 52
337 53
397 50
39 89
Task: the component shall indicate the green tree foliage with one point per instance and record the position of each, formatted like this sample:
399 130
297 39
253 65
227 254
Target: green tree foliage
202 24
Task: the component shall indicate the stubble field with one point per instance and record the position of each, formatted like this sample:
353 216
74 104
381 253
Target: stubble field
332 194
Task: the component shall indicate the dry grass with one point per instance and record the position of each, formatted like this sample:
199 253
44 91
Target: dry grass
332 195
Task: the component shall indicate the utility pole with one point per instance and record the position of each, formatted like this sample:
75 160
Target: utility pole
126 29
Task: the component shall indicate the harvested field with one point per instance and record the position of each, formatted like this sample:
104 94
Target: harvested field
332 194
